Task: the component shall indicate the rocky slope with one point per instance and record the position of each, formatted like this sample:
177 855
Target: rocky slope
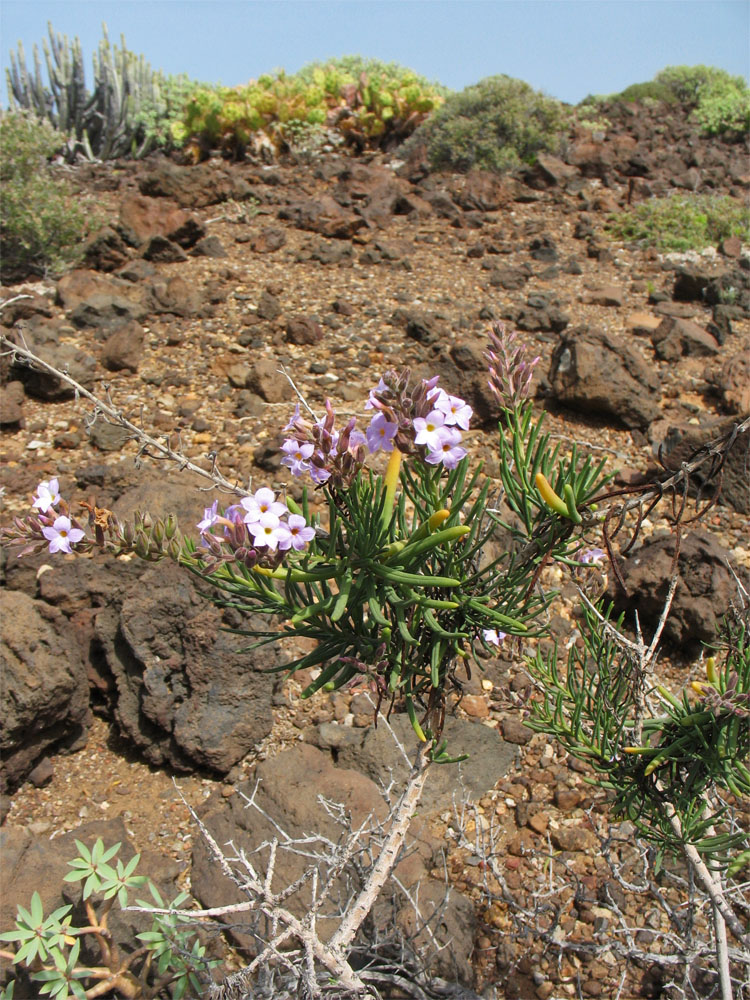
206 282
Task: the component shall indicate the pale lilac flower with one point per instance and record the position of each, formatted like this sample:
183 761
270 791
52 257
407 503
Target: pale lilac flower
380 433
300 533
492 636
267 530
61 535
295 417
457 411
262 502
319 476
371 404
209 517
591 556
429 429
447 451
48 495
297 455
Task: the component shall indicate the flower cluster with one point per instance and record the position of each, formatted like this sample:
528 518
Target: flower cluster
424 420
256 531
51 526
322 451
510 372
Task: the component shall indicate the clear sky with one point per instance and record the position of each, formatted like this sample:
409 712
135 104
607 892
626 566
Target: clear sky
568 48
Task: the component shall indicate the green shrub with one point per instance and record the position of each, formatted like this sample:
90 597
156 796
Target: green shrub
495 124
683 222
690 84
724 112
652 90
41 225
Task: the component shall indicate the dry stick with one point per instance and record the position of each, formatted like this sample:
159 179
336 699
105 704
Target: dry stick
403 815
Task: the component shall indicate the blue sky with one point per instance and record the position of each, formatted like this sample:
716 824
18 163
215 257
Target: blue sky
568 48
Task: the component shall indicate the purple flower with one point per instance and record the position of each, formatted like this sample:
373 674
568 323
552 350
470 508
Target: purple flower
300 533
267 530
297 455
447 451
318 475
591 556
209 517
48 495
372 403
380 433
492 636
429 429
457 411
262 502
61 535
295 417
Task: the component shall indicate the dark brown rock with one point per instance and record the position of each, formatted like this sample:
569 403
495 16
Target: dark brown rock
268 240
160 250
12 396
106 251
303 330
705 588
675 337
324 216
287 788
682 442
124 349
45 691
595 372
185 696
143 218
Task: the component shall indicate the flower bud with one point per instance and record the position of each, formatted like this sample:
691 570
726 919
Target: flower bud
157 533
174 549
141 546
170 526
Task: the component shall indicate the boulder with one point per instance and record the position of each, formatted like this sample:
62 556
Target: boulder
682 442
596 372
12 396
143 218
186 695
676 337
45 692
705 588
124 348
323 215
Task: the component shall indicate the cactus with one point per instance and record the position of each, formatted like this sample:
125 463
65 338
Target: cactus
127 113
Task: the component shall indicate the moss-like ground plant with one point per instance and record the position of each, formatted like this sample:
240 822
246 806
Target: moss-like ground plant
682 222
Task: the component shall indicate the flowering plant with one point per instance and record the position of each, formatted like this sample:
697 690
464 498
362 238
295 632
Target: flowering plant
389 575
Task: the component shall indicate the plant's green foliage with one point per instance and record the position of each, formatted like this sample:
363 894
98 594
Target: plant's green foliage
50 947
365 101
42 224
683 222
690 84
496 124
696 746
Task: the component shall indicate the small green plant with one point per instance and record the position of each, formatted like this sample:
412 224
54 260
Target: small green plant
496 124
682 222
48 947
42 225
